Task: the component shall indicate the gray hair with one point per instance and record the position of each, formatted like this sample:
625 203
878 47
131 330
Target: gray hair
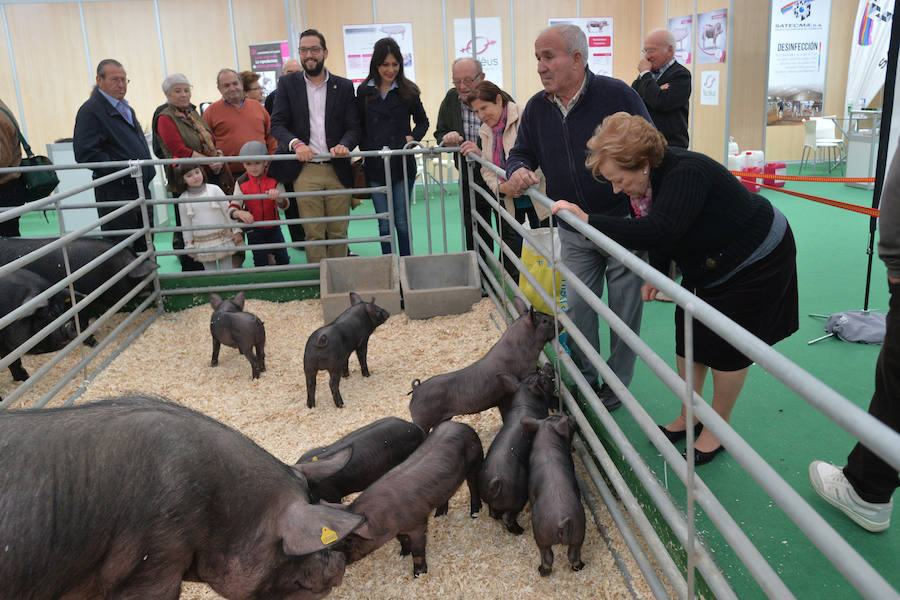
478 69
667 36
574 37
172 80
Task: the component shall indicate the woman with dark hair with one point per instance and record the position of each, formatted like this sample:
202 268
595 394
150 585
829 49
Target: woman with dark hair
499 127
735 249
252 87
386 101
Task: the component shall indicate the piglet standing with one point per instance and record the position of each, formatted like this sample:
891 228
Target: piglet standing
329 347
398 504
478 387
503 478
557 516
231 326
364 455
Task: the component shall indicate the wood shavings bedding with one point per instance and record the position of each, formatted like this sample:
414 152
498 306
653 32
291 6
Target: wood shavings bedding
467 558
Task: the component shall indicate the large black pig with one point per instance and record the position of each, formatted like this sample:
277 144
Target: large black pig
557 516
398 504
503 479
126 497
478 387
51 267
16 289
364 455
329 347
230 325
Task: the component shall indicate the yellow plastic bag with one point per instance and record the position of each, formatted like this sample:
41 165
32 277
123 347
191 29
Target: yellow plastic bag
536 259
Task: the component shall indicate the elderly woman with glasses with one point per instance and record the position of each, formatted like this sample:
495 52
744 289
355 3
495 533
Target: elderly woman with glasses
735 249
252 87
179 132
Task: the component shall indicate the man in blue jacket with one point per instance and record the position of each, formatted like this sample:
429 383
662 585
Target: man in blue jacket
553 133
107 129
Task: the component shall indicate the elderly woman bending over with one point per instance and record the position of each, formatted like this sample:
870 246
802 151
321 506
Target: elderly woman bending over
735 249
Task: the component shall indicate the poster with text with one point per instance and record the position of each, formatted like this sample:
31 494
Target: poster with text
486 45
798 52
682 28
712 36
360 39
266 60
709 88
599 32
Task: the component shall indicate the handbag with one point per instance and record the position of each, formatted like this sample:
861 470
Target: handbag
536 258
38 184
358 171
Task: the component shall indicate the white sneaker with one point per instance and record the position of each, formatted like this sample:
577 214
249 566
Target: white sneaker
830 483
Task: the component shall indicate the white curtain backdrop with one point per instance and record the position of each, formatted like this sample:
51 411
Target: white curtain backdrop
868 53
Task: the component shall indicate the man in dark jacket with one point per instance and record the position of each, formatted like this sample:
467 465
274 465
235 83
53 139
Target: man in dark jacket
315 114
665 87
553 133
107 129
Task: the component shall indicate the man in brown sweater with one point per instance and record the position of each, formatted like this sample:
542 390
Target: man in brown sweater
236 119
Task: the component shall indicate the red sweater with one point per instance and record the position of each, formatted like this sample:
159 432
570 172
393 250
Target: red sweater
234 127
262 209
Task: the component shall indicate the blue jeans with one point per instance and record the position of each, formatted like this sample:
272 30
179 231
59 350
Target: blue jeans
401 221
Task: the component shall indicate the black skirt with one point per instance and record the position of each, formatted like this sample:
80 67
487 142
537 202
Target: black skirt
761 298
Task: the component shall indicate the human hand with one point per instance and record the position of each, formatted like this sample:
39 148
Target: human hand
410 138
521 180
273 194
452 138
664 86
643 65
468 147
572 208
243 216
216 167
304 153
648 292
340 151
237 238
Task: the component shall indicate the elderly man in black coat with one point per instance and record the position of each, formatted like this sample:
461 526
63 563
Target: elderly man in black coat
665 87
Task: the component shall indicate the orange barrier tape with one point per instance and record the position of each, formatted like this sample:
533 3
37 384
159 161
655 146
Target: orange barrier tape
865 210
801 178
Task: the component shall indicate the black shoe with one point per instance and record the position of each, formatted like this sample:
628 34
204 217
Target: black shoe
677 436
701 457
608 397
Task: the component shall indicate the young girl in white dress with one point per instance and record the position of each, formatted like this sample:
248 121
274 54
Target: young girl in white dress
191 182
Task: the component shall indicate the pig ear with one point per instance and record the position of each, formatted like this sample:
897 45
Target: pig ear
564 427
142 270
520 305
354 298
509 382
529 424
238 300
316 469
34 309
305 528
215 300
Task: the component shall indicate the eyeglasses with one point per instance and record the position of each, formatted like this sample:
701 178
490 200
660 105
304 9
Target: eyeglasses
254 89
466 81
311 50
117 80
649 50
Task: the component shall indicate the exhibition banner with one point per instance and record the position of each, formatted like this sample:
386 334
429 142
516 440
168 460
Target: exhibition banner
266 60
868 54
360 39
798 55
599 32
712 36
709 88
484 41
682 28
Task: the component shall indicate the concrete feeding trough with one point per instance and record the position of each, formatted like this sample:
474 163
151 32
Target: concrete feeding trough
439 284
377 276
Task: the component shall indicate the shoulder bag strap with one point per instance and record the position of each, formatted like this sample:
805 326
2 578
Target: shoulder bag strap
22 139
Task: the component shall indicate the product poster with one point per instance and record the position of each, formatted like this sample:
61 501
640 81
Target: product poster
798 53
486 44
682 28
712 36
360 39
599 32
709 88
266 60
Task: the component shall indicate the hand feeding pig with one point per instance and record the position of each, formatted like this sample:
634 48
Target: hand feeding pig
126 497
503 478
365 455
18 288
478 387
557 516
398 504
230 325
329 347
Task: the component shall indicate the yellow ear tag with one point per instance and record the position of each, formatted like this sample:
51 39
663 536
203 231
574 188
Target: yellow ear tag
315 458
328 536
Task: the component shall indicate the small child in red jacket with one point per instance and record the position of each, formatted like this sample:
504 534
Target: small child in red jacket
250 210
